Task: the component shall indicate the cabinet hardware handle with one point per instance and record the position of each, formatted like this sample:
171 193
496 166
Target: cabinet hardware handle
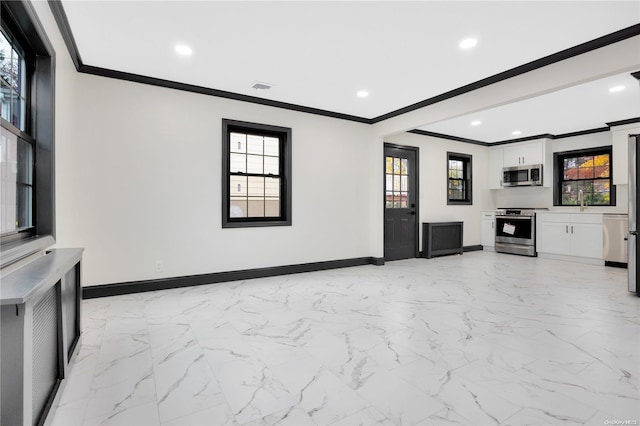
572 229
566 229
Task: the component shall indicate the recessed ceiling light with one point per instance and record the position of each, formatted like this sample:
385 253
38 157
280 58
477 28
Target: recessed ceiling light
516 132
468 43
183 49
362 94
616 89
476 123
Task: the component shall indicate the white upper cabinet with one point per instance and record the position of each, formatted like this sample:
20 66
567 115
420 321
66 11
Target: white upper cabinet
524 154
620 146
520 154
495 168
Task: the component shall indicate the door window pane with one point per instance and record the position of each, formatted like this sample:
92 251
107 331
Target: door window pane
397 182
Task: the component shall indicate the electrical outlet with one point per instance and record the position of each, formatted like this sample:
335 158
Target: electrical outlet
159 266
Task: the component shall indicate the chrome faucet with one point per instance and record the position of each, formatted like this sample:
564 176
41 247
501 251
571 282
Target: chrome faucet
583 205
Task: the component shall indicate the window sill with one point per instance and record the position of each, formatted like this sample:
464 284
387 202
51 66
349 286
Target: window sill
256 224
18 250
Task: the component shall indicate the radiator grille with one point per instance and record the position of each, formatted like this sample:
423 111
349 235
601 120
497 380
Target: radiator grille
441 238
45 351
70 302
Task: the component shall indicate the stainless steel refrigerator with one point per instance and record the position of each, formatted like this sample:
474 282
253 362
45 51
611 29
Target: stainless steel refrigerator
632 237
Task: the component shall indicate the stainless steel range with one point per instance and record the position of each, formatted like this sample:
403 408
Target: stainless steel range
516 231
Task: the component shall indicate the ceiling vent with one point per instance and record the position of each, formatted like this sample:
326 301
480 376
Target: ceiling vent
258 85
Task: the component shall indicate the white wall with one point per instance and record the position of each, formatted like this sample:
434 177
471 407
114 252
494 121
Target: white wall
147 185
433 182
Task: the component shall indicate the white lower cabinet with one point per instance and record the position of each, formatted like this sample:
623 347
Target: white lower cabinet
578 235
488 231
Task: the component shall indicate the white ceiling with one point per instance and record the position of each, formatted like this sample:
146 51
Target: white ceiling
319 54
582 107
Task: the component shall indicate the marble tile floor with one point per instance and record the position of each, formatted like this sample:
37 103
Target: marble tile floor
477 339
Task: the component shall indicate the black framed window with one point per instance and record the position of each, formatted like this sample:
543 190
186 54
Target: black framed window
584 173
256 186
459 175
27 99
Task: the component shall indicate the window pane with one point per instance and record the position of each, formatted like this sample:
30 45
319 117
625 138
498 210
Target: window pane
396 166
272 187
17 117
396 183
15 70
389 186
570 169
5 101
585 167
25 163
272 207
389 165
389 200
601 163
255 144
237 207
569 193
238 186
23 206
404 200
256 207
238 163
272 146
271 165
255 186
601 192
5 59
254 164
238 143
404 166
404 183
16 164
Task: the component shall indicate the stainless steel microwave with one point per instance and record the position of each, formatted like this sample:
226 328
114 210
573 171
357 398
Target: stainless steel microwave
522 175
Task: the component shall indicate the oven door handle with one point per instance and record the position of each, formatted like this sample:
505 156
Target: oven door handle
515 217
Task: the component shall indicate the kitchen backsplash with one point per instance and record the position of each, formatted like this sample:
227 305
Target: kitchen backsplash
536 196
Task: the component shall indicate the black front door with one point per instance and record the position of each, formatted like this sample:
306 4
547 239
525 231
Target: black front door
400 202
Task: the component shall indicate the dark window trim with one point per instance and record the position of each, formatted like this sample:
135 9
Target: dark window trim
22 20
558 172
285 163
468 178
